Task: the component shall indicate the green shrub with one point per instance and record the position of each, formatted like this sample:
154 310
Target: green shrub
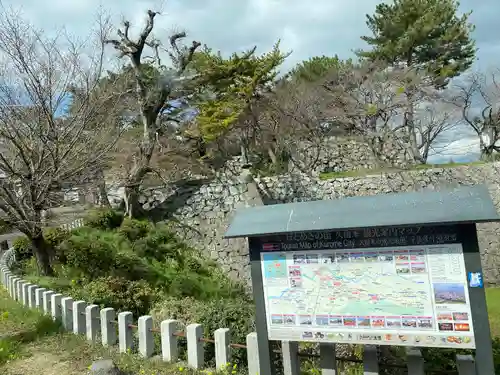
134 229
54 237
92 251
104 219
161 244
96 253
23 248
236 314
445 359
118 293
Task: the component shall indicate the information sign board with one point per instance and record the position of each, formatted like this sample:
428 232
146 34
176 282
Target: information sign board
414 295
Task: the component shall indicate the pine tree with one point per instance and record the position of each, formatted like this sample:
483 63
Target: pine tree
424 34
316 68
230 84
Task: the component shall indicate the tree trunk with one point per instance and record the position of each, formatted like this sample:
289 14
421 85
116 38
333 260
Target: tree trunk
43 253
133 208
103 192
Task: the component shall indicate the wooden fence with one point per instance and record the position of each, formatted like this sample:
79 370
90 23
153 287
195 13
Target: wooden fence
111 328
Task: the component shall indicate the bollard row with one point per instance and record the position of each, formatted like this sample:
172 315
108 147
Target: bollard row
111 328
89 321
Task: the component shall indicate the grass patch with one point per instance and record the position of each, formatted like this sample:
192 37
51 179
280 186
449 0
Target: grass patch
58 284
493 300
19 326
67 353
367 172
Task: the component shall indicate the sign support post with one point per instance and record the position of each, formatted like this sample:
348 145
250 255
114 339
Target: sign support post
265 349
480 320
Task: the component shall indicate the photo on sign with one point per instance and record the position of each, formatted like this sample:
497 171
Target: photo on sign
445 326
289 319
371 257
363 321
409 323
449 293
342 257
418 268
393 322
335 321
276 319
378 322
445 316
305 319
463 327
350 322
425 323
402 257
417 256
460 316
322 320
403 269
357 257
386 256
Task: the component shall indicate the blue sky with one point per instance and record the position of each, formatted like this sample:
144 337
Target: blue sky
320 27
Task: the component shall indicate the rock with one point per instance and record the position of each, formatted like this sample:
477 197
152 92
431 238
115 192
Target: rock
105 367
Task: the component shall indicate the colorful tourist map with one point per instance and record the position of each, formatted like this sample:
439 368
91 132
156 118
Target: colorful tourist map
414 295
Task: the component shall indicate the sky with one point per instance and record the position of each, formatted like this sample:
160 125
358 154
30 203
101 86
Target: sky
320 27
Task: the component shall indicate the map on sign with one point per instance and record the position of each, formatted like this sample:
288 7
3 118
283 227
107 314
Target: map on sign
414 295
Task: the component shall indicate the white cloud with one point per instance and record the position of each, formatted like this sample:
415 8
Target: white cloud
320 27
458 149
311 28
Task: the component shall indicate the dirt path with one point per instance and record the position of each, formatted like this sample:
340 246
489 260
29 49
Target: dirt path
41 363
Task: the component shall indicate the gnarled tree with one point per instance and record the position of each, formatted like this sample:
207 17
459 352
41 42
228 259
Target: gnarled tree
153 93
43 147
478 97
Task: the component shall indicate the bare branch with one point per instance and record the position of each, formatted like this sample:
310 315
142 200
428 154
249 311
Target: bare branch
48 139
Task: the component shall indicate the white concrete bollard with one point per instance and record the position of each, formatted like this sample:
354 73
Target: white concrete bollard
195 349
92 322
146 341
67 314
47 299
39 298
108 329
222 340
55 304
125 319
169 345
79 322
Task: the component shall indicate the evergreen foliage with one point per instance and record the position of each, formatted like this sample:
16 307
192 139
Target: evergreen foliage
426 34
229 85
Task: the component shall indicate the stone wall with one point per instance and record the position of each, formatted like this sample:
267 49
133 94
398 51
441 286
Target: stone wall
341 154
202 212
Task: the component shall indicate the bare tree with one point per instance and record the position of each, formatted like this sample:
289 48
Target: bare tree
432 121
478 97
297 125
152 99
43 148
369 100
